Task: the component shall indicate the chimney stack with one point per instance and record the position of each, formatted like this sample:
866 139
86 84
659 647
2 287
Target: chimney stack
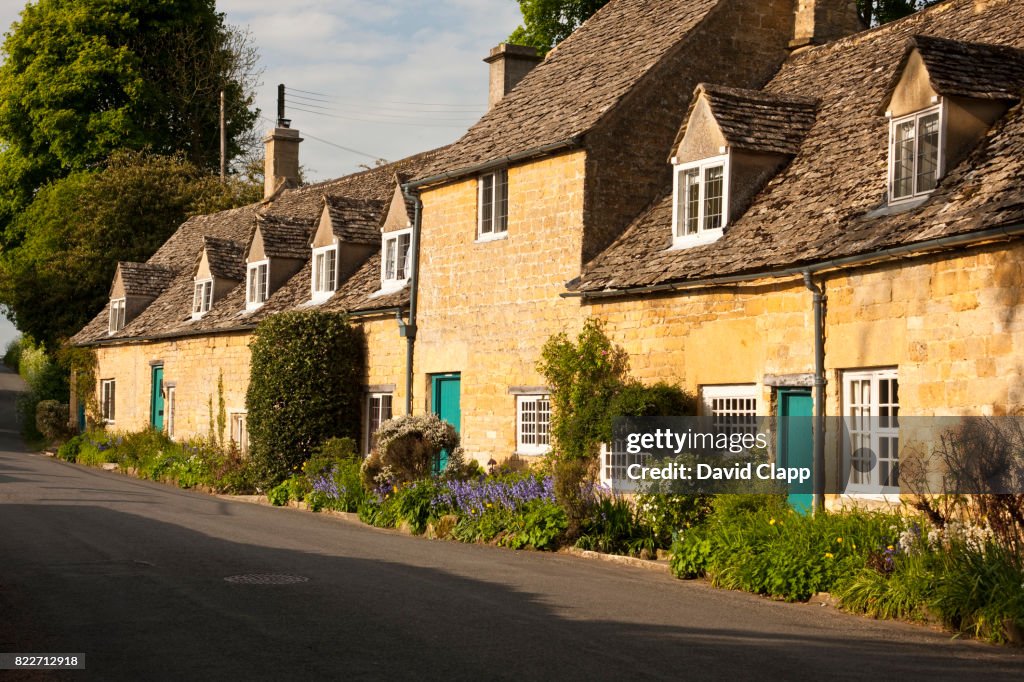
822 21
509 63
281 159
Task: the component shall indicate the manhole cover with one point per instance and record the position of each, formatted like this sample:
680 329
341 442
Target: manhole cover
266 579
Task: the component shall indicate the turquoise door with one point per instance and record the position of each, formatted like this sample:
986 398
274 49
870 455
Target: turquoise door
445 393
156 401
796 442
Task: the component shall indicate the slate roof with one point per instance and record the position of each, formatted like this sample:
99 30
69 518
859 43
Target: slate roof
355 220
284 238
170 315
226 258
823 205
967 69
144 279
580 81
757 121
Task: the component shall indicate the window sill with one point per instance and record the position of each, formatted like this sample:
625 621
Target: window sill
389 288
699 239
495 237
532 452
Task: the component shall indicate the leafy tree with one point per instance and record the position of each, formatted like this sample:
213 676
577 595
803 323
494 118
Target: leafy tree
548 22
78 228
83 78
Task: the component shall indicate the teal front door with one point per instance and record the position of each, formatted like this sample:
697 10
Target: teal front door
156 400
796 442
445 392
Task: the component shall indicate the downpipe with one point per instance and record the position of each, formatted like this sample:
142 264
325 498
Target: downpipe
819 299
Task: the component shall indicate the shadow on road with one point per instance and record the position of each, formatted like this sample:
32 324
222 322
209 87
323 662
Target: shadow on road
149 600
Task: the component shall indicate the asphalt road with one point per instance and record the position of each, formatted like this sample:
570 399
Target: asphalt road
134 575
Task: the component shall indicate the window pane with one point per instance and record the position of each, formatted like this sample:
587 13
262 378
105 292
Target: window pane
331 270
486 204
691 192
389 259
207 295
403 256
501 192
713 191
318 269
928 153
264 289
252 285
903 160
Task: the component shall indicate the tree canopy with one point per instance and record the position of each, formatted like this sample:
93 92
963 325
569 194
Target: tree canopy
548 22
83 78
77 229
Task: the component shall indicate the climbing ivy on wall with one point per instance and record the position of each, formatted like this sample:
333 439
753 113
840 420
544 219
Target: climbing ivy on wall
305 386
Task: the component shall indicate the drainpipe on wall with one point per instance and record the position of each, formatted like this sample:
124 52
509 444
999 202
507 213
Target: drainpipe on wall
819 391
408 328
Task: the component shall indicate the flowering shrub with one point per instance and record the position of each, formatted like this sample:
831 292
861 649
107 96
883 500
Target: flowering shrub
408 448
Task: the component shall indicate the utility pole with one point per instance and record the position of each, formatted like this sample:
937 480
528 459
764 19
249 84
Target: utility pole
223 142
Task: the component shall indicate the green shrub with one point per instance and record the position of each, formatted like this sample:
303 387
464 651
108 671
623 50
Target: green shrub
69 450
662 399
279 494
305 387
52 419
46 381
614 527
668 515
762 546
584 377
12 356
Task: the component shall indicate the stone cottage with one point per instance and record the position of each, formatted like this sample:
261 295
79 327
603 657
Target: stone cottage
778 210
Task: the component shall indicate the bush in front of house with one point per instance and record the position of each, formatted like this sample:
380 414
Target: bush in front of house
12 356
52 420
46 380
306 375
408 448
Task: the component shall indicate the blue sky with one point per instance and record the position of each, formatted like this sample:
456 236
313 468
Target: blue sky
385 77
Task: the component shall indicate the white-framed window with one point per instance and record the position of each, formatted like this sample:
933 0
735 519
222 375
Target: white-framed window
915 154
257 284
325 271
240 432
108 394
732 408
116 323
378 411
202 298
492 205
701 207
533 424
171 412
871 411
396 265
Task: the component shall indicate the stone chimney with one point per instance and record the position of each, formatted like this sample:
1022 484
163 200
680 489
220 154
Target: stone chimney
509 63
822 21
281 159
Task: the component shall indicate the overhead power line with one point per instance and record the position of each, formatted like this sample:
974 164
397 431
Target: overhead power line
333 144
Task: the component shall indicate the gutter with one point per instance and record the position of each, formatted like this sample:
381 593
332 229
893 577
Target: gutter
569 143
894 253
214 332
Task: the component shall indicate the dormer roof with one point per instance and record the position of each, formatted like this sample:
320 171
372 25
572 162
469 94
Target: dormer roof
962 69
226 258
282 238
355 220
753 120
142 279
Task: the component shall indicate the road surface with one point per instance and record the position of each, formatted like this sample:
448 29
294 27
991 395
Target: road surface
135 575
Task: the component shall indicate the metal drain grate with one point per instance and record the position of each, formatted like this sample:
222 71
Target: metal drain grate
266 579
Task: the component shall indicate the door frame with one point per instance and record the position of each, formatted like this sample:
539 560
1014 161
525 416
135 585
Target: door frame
801 502
156 396
436 382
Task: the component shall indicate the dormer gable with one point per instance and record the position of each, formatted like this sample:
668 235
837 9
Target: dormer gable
219 269
732 143
276 251
396 240
346 235
942 99
135 286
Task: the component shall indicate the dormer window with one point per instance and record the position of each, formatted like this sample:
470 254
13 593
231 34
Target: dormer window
325 271
117 318
257 284
395 266
915 154
493 205
701 196
202 298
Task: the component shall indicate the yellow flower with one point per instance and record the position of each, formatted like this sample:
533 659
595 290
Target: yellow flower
890 548
488 505
771 522
839 540
828 555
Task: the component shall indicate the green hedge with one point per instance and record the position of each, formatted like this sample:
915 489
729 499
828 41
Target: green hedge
306 376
